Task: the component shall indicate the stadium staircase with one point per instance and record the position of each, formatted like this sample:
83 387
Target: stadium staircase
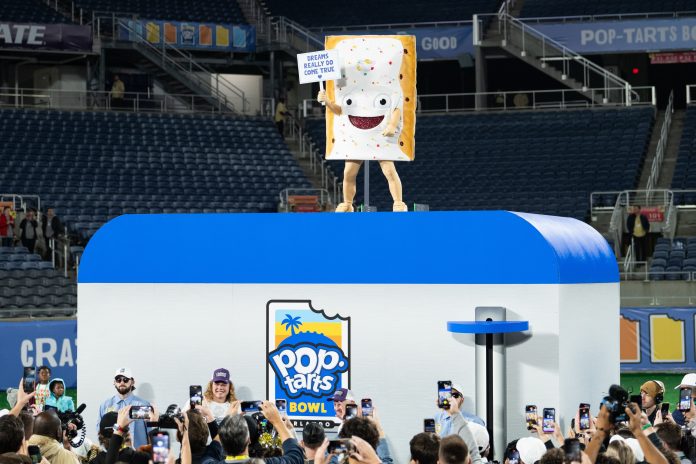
552 58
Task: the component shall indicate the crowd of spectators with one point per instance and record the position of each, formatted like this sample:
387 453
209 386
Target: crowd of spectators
29 229
218 428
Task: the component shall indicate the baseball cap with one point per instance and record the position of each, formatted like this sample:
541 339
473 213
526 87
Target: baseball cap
633 444
124 371
106 425
342 394
653 387
480 434
458 387
531 449
221 375
688 381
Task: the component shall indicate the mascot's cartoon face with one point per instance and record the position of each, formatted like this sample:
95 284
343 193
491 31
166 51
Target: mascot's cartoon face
371 89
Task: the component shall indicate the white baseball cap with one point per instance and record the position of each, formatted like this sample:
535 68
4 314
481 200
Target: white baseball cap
480 434
458 387
531 449
688 381
124 371
633 444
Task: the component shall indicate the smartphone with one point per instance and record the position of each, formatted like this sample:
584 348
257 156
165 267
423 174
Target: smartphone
638 399
341 446
664 410
140 412
366 405
195 396
572 450
160 447
35 454
429 425
684 399
584 415
530 415
547 423
251 406
351 411
514 457
282 406
444 393
29 377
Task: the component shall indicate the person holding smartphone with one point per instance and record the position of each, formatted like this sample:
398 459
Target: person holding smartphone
219 395
124 382
451 421
679 415
652 394
341 398
14 447
114 431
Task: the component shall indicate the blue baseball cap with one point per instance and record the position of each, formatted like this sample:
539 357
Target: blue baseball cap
221 375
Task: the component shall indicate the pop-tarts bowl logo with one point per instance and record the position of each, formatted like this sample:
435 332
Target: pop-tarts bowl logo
308 363
308 355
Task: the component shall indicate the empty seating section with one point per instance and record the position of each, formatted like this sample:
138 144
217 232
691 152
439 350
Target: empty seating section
315 13
30 11
94 166
673 260
548 8
28 282
541 162
685 170
215 11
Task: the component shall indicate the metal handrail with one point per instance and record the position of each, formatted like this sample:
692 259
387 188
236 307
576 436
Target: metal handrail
604 17
661 145
189 70
284 28
415 25
21 197
536 102
568 55
101 100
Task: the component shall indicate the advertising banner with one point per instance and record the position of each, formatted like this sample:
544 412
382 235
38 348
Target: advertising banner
658 339
308 359
432 43
202 36
673 58
46 36
643 35
654 213
39 343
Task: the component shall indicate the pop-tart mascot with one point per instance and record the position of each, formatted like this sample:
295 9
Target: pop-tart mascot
372 108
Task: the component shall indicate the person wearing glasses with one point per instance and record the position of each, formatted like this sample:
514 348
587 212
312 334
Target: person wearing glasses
453 421
125 384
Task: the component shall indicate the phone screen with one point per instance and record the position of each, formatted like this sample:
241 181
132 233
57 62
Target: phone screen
444 393
29 379
547 423
140 412
35 454
282 406
351 411
530 415
664 409
429 425
584 414
514 457
195 396
251 406
638 399
341 446
366 405
684 399
160 447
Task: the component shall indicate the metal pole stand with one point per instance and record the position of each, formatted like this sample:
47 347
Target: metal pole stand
489 328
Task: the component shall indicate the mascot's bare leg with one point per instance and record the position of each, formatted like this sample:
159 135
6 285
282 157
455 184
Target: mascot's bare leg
350 173
389 171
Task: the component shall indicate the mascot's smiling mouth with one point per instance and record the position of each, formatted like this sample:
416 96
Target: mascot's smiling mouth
365 122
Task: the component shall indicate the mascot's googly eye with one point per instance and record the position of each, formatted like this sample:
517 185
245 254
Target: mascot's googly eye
382 101
348 101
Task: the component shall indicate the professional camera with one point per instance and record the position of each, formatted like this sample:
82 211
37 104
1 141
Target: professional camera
166 420
616 403
74 418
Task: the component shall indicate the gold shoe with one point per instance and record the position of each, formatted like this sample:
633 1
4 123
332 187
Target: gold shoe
400 206
345 208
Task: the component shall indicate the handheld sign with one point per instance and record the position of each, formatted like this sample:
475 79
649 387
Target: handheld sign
318 66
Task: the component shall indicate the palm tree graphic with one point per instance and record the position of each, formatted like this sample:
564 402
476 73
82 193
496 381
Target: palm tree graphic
291 323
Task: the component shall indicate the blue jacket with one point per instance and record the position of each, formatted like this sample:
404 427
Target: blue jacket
64 403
